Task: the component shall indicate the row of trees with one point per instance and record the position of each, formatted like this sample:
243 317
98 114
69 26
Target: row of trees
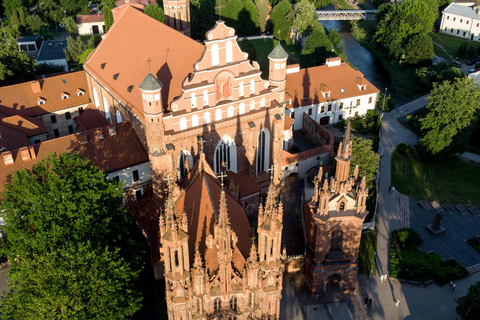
74 253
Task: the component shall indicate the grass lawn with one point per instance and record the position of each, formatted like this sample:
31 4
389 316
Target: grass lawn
265 46
441 53
451 45
450 181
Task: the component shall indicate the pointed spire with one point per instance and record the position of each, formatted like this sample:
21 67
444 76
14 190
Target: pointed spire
223 219
346 137
355 173
363 184
253 253
325 185
197 262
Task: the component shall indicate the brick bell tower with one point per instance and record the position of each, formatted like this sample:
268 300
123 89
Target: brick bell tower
177 15
333 220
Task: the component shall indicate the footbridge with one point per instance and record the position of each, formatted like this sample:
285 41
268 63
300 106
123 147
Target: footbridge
345 14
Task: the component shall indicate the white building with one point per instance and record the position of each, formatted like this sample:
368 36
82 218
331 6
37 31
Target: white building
461 20
90 24
328 93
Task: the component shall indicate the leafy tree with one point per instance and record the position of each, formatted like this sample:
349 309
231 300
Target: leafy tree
21 16
75 48
76 255
155 12
34 23
11 6
262 6
202 17
452 116
469 306
69 5
248 18
362 152
281 19
15 65
83 6
305 17
70 25
82 58
14 22
107 6
418 48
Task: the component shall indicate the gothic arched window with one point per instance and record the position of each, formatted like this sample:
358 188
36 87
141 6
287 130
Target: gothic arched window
233 303
252 86
119 117
225 155
215 60
262 103
336 240
95 98
263 148
194 100
218 115
106 109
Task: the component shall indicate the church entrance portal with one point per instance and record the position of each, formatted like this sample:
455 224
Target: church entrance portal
324 121
334 283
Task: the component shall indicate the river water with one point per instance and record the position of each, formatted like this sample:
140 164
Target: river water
358 56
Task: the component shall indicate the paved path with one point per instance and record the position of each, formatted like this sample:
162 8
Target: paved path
416 302
470 156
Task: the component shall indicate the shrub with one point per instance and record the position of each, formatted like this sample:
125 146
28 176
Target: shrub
475 243
406 237
403 148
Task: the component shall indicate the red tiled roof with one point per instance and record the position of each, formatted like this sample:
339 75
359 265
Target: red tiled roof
289 158
138 38
89 18
28 125
288 122
91 118
12 139
308 83
111 153
246 183
20 99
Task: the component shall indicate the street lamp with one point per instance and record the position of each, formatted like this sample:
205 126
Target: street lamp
55 18
384 96
65 13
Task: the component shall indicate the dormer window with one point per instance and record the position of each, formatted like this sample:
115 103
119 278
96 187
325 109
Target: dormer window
64 95
361 83
80 92
325 90
41 100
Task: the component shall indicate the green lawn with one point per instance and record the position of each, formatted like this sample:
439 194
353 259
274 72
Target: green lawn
451 45
442 53
265 46
450 181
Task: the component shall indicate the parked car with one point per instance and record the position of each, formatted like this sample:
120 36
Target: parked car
471 62
471 70
457 64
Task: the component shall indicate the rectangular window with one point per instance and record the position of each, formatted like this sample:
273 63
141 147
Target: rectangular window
445 28
310 111
464 33
80 110
370 100
329 107
53 118
322 109
136 177
56 133
358 102
461 20
292 115
70 129
468 21
458 31
327 94
478 24
454 18
341 105
448 17
68 116
451 30
138 194
340 117
277 65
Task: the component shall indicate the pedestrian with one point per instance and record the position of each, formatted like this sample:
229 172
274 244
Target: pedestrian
366 301
370 302
385 277
397 303
453 287
381 278
450 285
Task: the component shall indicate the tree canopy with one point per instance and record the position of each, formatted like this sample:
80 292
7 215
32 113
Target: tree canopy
453 111
202 17
155 12
76 252
281 19
304 16
469 306
15 65
366 158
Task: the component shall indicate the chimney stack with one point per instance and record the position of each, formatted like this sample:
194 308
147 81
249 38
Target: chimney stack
82 137
36 87
7 158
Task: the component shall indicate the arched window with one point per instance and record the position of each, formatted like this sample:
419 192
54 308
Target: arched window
95 98
183 123
206 117
233 303
215 61
185 164
262 103
217 304
205 98
252 86
241 108
218 115
176 259
194 100
225 155
263 148
194 120
252 105
119 116
336 240
107 109
230 112
241 89
229 52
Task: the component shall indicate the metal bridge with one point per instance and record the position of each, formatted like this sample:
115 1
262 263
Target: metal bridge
344 14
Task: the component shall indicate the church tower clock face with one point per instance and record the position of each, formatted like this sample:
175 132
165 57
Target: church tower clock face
223 86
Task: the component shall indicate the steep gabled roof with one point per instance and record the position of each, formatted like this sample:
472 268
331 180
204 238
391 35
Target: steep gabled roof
29 125
134 40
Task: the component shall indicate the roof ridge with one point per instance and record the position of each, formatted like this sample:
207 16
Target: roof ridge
210 195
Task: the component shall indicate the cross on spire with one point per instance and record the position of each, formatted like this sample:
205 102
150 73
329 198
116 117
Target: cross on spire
219 7
201 141
221 176
168 179
272 170
149 64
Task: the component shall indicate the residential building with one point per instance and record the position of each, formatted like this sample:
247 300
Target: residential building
461 20
51 52
90 24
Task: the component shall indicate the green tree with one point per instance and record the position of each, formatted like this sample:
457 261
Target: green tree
70 25
366 158
75 48
14 22
21 16
305 17
76 253
34 23
281 19
15 65
107 6
202 17
262 6
419 48
155 12
69 5
468 307
452 116
247 23
11 6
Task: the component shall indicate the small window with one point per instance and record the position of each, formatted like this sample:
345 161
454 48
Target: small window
370 100
53 118
478 24
445 28
68 116
70 129
358 102
448 17
138 194
464 33
341 105
252 86
310 111
36 141
56 133
292 115
322 109
356 114
451 30
461 20
454 18
468 21
277 65
342 206
136 177
458 31
327 94
329 107
80 110
340 117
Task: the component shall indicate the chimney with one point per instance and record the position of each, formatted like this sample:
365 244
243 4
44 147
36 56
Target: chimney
32 152
112 131
333 62
98 134
82 137
25 154
7 158
36 88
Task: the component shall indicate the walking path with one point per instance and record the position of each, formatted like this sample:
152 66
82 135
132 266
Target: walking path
470 156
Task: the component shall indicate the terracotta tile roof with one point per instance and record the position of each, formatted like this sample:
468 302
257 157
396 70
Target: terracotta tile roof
89 18
247 184
289 158
309 82
111 153
288 122
142 2
28 125
201 202
20 99
91 118
171 53
11 139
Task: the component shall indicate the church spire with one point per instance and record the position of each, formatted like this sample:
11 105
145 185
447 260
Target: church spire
344 155
223 219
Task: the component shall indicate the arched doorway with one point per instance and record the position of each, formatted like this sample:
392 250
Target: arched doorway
324 121
334 283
